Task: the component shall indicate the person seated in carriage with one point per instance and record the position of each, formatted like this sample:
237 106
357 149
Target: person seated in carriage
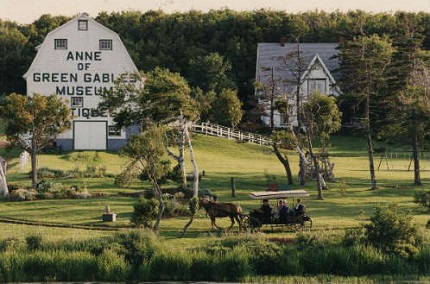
265 211
300 208
283 210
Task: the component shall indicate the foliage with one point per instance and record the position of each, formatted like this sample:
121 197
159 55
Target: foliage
232 36
147 149
211 72
161 98
144 212
12 55
227 108
322 117
22 194
34 242
138 247
363 64
422 198
44 116
286 139
391 231
34 122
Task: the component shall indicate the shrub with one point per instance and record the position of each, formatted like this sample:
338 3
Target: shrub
137 246
34 242
391 231
50 173
14 186
11 244
22 195
174 208
422 198
145 211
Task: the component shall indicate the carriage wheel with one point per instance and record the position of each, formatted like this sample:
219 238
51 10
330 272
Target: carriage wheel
255 224
246 225
251 224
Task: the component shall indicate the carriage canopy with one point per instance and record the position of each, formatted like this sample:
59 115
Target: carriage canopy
279 194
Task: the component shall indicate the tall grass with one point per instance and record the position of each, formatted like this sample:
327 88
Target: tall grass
138 256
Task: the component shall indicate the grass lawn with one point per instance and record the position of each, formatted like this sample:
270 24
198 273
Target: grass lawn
348 203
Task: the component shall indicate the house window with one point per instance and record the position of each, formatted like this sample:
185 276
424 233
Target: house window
105 44
82 25
76 102
114 131
60 43
317 85
283 119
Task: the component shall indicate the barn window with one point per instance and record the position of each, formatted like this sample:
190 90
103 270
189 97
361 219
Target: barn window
83 25
105 44
60 43
114 131
76 102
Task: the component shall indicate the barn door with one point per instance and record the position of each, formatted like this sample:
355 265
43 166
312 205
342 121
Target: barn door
90 135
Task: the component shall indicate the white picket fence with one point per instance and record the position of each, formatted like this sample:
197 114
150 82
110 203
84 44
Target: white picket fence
229 133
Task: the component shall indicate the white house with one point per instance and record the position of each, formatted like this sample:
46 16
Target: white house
283 69
78 61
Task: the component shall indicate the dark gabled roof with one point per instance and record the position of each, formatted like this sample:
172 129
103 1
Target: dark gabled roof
274 55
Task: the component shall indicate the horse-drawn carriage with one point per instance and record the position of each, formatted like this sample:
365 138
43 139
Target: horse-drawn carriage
291 219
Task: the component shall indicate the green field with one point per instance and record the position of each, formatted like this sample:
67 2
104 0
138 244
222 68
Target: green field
348 202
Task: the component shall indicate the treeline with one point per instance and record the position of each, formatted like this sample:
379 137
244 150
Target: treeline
211 50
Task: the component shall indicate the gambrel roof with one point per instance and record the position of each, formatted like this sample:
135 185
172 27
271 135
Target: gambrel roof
287 65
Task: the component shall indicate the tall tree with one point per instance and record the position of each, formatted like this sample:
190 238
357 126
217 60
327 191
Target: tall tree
408 91
210 73
269 94
364 61
34 123
12 53
321 117
227 108
151 99
147 149
410 113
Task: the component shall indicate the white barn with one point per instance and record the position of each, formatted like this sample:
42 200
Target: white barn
286 64
78 61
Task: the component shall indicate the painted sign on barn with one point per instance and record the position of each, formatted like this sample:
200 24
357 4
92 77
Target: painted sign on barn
79 61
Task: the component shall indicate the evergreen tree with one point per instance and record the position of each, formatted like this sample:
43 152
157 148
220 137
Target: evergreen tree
363 63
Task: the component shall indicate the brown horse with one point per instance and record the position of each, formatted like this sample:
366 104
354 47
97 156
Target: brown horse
220 210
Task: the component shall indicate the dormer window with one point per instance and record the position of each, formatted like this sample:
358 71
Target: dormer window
82 25
60 43
105 44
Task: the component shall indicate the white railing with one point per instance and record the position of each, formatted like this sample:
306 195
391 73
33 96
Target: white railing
229 133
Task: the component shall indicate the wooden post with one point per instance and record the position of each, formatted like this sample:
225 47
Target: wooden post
233 187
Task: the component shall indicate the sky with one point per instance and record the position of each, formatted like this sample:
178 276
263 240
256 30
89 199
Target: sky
26 11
